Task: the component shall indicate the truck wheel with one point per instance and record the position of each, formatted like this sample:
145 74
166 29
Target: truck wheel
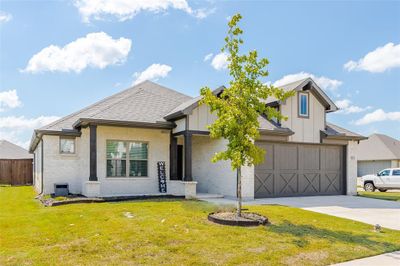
369 187
382 190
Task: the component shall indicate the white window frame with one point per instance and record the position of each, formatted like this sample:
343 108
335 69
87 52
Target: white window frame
68 138
307 114
127 166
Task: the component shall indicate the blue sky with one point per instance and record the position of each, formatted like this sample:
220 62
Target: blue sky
59 56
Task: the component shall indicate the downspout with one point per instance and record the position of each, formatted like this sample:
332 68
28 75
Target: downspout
34 169
42 163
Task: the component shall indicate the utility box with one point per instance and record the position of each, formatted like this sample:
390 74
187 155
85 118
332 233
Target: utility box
61 189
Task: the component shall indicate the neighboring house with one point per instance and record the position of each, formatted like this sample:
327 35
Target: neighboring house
15 164
112 147
377 153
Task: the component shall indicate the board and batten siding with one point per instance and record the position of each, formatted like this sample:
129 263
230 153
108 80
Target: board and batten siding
200 118
305 129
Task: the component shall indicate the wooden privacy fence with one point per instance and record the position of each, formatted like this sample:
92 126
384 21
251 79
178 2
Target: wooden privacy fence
16 171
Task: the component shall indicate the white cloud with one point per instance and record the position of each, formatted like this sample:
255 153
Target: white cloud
127 9
208 57
346 107
19 129
378 116
153 72
5 17
324 82
9 99
220 61
15 137
97 50
377 61
21 122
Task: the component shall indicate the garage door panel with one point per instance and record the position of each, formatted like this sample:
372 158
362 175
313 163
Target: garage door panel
331 157
264 183
309 183
371 167
331 183
285 157
309 157
300 169
268 163
286 183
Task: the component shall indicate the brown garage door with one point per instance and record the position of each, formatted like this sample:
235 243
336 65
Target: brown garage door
299 169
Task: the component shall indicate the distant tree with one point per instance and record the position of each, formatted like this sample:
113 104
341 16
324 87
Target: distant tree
240 104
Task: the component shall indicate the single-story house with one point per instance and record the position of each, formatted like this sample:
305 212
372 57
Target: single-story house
15 164
113 147
377 153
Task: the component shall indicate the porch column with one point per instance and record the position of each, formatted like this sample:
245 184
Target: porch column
188 157
93 152
173 167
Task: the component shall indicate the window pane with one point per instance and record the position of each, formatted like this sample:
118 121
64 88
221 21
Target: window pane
396 172
138 168
116 149
303 104
116 168
385 173
67 145
138 150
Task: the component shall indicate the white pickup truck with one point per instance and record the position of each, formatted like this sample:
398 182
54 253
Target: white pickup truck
383 180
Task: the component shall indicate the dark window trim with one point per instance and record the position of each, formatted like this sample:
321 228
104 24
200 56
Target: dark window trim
127 176
299 104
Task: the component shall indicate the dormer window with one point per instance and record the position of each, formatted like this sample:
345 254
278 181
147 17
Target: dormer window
304 104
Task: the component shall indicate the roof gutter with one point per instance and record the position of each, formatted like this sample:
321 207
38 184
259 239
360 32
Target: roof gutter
276 132
38 134
84 122
342 137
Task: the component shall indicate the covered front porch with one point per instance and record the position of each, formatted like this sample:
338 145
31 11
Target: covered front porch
190 161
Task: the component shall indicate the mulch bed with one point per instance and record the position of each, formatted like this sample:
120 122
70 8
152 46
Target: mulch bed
73 199
230 218
70 199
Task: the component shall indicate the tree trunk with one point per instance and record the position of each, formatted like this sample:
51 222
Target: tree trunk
239 191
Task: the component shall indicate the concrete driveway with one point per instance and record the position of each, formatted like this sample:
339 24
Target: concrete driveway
366 210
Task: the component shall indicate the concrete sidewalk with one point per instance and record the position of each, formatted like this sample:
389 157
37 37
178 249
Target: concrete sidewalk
388 259
366 210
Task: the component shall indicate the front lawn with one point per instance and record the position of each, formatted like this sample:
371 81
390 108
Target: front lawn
394 196
174 232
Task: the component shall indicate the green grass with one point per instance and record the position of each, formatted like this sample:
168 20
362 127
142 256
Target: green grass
174 232
394 196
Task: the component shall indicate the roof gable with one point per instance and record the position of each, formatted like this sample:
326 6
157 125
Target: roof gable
310 85
9 150
379 147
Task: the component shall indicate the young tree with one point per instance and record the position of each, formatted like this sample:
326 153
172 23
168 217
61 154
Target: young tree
240 104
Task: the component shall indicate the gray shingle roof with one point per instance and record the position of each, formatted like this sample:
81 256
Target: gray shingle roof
379 147
145 102
333 130
9 150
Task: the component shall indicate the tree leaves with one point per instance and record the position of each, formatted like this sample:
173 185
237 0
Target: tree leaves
239 106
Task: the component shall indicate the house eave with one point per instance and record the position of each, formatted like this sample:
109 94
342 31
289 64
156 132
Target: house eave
84 122
38 134
276 132
324 135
